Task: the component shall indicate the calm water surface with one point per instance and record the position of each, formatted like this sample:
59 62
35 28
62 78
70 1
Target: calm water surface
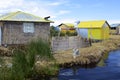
109 71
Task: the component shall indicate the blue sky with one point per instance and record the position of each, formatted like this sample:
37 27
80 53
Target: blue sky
66 10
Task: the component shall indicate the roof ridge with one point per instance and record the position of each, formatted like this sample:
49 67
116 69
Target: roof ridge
93 20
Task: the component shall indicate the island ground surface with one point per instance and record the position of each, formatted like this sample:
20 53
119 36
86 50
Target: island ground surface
90 54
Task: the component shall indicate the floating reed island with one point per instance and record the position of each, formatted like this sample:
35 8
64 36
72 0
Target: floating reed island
39 62
88 55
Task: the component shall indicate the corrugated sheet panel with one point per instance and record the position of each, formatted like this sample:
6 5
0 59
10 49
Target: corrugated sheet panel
114 25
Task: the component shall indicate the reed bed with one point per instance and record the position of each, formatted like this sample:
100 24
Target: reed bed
36 58
88 55
26 62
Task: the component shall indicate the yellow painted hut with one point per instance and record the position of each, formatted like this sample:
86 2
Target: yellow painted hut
97 30
67 27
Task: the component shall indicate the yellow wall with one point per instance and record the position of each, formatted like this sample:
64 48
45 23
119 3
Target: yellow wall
95 33
105 33
100 33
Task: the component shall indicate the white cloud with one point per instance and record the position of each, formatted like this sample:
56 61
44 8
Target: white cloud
59 3
63 12
55 3
41 8
34 7
57 22
37 7
10 3
60 13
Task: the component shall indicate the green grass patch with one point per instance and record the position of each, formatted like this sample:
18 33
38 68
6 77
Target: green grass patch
23 62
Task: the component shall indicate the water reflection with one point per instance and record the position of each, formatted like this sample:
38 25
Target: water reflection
107 69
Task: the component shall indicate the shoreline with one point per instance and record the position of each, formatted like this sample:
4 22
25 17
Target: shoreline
89 55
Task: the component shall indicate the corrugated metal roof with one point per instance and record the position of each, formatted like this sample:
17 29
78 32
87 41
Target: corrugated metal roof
70 25
91 24
22 16
115 25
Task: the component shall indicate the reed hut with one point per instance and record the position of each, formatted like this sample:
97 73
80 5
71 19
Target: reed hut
67 27
20 27
96 30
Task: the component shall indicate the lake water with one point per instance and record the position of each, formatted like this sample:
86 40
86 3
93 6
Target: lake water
109 70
